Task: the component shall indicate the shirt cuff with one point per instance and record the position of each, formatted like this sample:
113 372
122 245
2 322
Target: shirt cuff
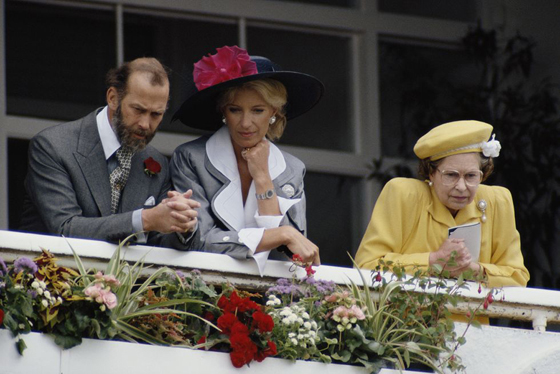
251 238
184 238
270 222
138 227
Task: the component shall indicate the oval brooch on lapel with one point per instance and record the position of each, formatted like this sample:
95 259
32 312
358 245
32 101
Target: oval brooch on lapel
288 190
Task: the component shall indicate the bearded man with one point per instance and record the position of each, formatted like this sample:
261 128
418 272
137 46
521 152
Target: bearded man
98 178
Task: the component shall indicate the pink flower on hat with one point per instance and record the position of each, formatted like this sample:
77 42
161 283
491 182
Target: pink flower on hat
229 63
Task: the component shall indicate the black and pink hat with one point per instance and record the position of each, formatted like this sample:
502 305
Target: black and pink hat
232 66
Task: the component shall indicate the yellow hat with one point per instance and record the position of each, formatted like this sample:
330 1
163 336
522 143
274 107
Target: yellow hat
457 137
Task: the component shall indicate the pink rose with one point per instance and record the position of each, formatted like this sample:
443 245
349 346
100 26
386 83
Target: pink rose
93 290
355 311
341 312
228 63
109 299
111 280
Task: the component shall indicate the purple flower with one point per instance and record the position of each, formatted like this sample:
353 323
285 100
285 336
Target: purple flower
32 293
285 287
3 268
180 274
25 264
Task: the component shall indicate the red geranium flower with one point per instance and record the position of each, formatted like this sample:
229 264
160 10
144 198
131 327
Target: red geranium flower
1 316
237 359
264 322
247 327
270 350
226 321
239 328
151 167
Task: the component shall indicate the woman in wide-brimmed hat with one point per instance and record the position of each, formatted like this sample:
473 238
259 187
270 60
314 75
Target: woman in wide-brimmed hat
251 193
411 221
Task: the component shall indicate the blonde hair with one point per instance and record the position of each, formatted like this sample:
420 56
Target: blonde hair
274 94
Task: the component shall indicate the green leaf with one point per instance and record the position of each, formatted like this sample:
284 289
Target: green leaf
406 355
67 342
343 356
128 330
21 346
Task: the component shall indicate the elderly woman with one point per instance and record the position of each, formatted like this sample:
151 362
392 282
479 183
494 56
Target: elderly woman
411 219
251 193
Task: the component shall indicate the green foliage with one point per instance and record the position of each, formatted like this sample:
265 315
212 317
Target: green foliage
401 320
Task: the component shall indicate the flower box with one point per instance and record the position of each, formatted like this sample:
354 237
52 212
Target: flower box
101 356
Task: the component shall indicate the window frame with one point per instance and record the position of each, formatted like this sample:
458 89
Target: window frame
363 24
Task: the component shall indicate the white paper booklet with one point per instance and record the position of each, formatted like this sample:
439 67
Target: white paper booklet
471 233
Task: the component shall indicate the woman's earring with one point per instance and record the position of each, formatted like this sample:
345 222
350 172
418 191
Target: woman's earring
481 205
430 183
224 120
272 120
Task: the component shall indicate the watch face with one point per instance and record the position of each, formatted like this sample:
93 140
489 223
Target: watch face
269 194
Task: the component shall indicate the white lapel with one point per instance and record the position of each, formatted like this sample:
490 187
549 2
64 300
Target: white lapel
228 203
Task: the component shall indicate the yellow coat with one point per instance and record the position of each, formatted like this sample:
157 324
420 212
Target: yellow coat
409 222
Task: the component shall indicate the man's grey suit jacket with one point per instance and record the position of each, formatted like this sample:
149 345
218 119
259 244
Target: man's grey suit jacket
68 191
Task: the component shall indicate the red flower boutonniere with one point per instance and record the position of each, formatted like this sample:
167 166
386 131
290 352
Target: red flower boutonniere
151 167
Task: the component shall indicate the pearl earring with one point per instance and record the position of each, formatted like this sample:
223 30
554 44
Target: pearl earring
481 205
430 183
272 120
224 120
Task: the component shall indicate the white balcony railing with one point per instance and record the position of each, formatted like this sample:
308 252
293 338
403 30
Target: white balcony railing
488 350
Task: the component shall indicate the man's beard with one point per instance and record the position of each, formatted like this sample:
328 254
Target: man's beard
125 133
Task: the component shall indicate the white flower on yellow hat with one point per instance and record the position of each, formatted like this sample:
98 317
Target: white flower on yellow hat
491 148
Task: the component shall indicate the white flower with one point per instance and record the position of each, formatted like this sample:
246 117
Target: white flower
21 326
47 294
294 341
45 303
286 321
42 284
300 320
286 312
39 291
291 335
307 325
35 284
491 148
305 315
340 328
300 337
314 325
59 299
270 303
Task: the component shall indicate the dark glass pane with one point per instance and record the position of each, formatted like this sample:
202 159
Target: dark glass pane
327 125
457 10
178 44
338 3
17 169
417 92
56 59
329 218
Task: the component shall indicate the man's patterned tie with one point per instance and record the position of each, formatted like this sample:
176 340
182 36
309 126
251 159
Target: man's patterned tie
119 176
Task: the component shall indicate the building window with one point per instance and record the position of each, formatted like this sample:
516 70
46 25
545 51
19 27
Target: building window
56 59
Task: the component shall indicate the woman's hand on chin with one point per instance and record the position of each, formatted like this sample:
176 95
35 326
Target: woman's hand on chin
257 159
